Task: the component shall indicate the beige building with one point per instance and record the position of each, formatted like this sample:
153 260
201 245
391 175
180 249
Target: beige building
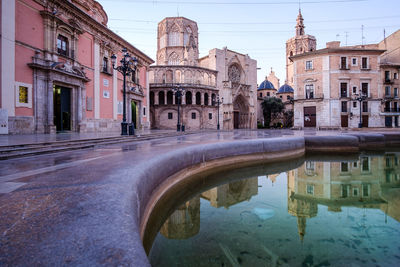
390 69
222 75
328 81
343 87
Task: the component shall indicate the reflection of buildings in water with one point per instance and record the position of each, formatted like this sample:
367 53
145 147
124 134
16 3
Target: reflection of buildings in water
368 182
184 222
232 193
273 177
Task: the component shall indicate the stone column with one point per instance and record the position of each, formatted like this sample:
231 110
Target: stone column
96 81
156 102
50 127
165 97
202 99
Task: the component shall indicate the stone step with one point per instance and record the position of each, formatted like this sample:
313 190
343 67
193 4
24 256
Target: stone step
25 150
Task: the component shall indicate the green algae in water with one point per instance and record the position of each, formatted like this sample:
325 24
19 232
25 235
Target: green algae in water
320 214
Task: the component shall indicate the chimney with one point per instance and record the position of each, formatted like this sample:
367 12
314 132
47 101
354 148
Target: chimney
333 44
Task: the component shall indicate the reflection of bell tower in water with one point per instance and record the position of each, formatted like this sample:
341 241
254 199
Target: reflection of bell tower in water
301 208
184 222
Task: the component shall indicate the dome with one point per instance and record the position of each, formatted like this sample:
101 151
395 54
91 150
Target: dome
285 89
266 85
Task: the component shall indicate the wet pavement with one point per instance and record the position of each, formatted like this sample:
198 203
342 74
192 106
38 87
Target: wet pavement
55 209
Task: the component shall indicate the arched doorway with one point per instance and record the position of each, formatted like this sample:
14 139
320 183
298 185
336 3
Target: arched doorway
241 118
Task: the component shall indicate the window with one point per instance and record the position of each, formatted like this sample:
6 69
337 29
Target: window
344 166
62 45
260 94
23 95
396 92
310 165
210 116
355 192
365 190
354 61
310 189
343 63
205 99
280 96
144 111
365 106
161 98
354 89
173 38
387 76
395 75
188 97
354 104
364 88
309 65
345 190
388 163
288 97
268 94
193 115
387 90
364 63
365 164
344 106
105 64
170 115
355 164
309 91
343 89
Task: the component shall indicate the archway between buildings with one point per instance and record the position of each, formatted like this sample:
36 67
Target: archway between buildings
241 116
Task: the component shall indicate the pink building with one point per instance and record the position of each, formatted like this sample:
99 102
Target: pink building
56 72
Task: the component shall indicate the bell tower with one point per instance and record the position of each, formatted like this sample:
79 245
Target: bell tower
300 43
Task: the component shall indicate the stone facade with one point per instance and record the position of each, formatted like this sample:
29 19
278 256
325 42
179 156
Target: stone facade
62 78
218 88
346 87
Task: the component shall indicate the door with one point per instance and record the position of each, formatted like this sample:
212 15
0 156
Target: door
388 121
236 119
364 120
135 113
396 121
62 108
310 117
345 121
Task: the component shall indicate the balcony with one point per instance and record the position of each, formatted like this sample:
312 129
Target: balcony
344 67
392 110
387 81
310 97
365 67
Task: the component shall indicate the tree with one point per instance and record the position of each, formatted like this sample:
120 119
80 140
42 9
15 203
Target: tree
272 107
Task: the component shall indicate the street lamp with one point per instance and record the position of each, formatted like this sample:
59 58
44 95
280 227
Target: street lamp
360 98
219 101
128 65
179 92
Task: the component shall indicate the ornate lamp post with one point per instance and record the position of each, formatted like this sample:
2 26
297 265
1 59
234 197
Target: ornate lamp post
360 97
128 65
219 101
179 92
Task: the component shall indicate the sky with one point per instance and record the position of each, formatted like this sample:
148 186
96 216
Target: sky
256 27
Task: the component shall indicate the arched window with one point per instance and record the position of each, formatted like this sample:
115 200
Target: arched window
234 73
205 99
198 98
173 36
213 99
173 59
170 96
161 98
188 98
151 98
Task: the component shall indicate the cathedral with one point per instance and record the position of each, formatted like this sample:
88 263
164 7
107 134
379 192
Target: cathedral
217 91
